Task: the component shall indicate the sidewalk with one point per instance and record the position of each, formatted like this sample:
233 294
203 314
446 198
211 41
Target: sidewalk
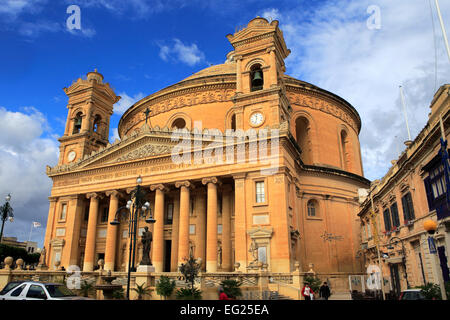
341 296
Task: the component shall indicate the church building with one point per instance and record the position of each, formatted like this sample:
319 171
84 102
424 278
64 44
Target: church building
282 195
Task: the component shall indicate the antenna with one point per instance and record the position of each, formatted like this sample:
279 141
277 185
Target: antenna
404 111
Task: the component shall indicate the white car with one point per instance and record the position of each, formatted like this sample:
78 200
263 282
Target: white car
33 290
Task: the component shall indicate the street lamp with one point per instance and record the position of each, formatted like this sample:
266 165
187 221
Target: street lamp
431 226
7 213
137 207
393 241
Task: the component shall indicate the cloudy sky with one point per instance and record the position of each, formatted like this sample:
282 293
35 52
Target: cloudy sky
141 46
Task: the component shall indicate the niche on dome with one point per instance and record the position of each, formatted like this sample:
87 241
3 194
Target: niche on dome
303 136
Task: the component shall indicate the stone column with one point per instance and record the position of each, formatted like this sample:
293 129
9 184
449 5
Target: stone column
226 228
89 251
49 230
240 222
73 230
183 239
238 74
86 123
111 233
200 231
211 224
175 235
158 229
274 70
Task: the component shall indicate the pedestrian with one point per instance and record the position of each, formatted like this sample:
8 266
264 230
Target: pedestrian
324 291
223 295
307 292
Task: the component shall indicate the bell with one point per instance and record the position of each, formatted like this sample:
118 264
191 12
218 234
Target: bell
257 80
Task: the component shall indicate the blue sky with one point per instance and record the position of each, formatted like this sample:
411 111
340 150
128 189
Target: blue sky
142 46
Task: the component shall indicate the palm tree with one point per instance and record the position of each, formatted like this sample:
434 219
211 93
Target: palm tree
142 291
165 287
86 288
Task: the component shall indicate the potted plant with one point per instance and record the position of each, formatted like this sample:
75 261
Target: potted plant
142 291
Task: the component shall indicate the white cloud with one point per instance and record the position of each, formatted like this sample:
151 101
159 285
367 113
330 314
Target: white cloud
333 49
24 154
13 8
180 52
271 14
126 101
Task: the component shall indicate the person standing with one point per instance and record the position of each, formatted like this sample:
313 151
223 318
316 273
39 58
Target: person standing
324 291
307 292
223 295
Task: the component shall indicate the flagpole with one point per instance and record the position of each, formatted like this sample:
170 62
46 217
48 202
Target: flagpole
443 28
31 230
404 111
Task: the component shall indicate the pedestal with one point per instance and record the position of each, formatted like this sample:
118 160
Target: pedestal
146 269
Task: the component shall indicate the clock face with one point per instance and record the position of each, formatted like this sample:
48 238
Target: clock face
71 156
256 119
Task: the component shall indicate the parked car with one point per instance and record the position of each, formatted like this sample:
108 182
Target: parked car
412 294
33 290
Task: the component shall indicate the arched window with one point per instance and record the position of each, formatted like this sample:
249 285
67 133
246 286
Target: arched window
179 123
303 135
313 208
96 125
256 78
77 123
346 151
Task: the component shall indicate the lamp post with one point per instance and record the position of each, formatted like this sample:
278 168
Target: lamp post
136 207
7 213
394 241
430 226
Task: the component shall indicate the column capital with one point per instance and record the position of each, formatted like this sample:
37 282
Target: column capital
238 58
114 193
160 187
213 180
242 175
270 49
185 183
53 199
94 195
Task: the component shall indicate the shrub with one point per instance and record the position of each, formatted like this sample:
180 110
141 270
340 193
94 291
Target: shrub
232 288
432 291
314 283
165 287
142 291
189 294
86 288
118 294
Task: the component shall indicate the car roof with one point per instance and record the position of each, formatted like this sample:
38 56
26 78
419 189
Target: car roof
38 282
412 290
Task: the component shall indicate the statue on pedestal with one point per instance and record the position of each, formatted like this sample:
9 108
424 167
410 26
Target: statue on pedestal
42 258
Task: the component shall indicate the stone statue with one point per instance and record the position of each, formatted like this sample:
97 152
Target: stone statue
42 257
219 254
254 251
146 246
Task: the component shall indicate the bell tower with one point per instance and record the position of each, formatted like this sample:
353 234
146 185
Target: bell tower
259 52
90 107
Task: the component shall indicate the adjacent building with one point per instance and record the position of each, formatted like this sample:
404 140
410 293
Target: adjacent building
412 191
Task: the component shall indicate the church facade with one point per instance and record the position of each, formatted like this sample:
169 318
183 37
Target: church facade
242 165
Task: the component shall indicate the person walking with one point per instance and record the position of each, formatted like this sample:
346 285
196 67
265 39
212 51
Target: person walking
324 291
307 292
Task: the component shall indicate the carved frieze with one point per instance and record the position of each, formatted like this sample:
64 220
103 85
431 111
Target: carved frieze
145 151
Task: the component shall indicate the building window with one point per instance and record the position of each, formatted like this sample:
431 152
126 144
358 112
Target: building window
96 125
219 229
408 208
104 217
387 220
219 204
312 208
262 254
233 122
169 214
179 123
192 229
436 187
63 212
394 213
260 192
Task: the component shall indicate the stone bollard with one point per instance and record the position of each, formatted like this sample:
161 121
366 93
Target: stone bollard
19 263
